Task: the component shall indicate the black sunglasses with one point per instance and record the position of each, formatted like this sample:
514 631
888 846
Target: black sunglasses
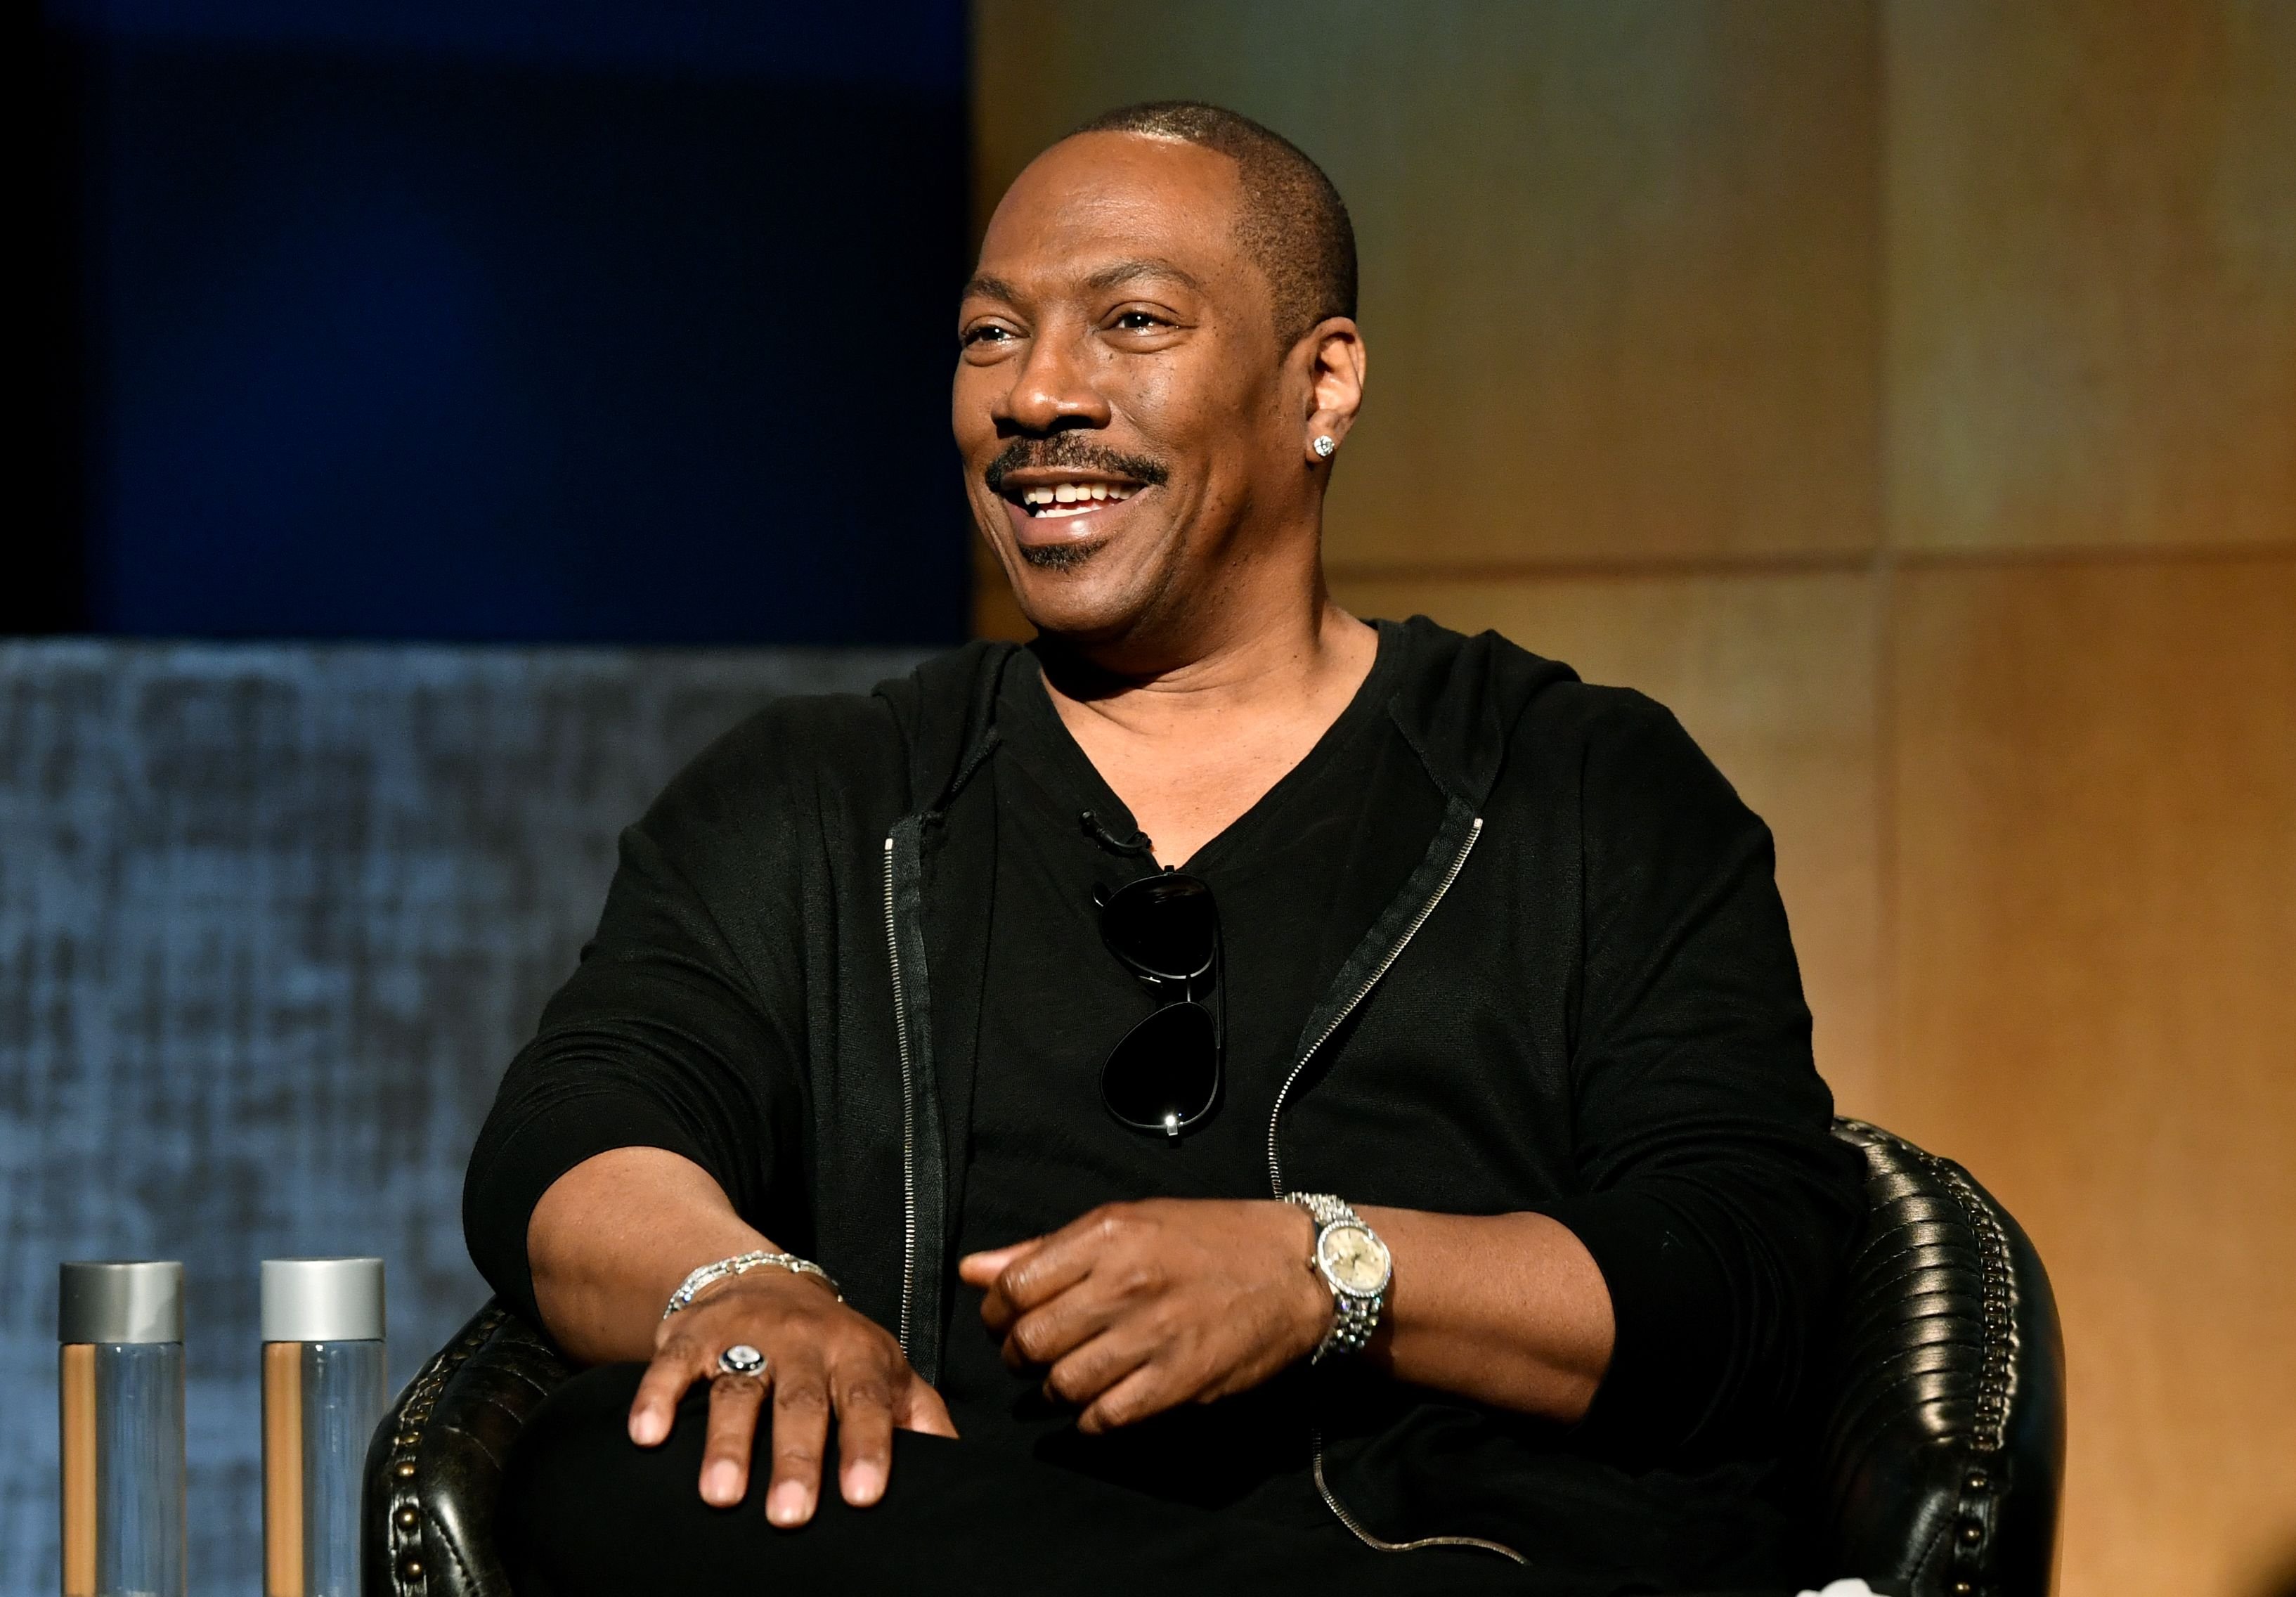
1164 1075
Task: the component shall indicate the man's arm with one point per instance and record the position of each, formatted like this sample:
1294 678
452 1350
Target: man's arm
661 1102
608 1245
612 1239
1507 1309
1141 1306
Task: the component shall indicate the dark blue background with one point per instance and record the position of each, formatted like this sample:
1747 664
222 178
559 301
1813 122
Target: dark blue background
622 323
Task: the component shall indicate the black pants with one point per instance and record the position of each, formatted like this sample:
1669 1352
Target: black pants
586 1511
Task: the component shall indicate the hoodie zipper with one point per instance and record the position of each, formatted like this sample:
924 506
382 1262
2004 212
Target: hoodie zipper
1276 1115
1377 1544
1340 1510
908 1109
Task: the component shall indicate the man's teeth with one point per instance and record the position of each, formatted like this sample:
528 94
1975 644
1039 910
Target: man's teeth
1078 498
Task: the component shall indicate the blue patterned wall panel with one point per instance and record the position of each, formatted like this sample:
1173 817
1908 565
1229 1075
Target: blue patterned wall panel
272 920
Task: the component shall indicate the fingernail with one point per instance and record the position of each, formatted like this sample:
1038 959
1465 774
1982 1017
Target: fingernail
721 1483
646 1428
865 1483
787 1505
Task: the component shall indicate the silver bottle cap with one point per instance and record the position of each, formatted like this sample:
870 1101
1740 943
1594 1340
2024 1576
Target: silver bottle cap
120 1300
323 1300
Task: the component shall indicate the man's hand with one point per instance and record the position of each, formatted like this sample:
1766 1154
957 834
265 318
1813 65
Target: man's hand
1139 1307
822 1357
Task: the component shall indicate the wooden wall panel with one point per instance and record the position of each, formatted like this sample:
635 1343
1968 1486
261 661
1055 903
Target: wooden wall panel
1905 393
2095 974
2091 271
1618 285
1775 678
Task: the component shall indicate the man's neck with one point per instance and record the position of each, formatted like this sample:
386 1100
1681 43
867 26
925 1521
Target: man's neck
1268 664
1192 747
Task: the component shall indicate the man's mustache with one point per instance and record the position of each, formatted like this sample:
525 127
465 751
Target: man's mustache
1072 451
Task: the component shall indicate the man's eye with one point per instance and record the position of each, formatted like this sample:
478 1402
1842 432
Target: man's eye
990 334
1139 321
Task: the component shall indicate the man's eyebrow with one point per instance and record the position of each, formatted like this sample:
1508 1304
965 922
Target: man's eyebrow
991 287
1129 271
1115 275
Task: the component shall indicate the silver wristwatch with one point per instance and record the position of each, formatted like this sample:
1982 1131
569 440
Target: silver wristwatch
1354 1264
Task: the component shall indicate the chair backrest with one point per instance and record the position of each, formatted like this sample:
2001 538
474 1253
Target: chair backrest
1942 1454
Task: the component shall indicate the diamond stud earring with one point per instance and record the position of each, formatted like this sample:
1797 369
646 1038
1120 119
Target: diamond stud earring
1326 446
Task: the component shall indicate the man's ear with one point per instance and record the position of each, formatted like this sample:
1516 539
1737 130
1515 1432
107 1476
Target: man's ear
1335 383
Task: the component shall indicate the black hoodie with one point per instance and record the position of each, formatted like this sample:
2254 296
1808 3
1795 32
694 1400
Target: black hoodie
1584 994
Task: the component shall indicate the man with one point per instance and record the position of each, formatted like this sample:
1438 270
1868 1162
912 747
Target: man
1426 1187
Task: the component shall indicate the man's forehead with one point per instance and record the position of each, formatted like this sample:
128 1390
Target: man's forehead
1102 209
1095 171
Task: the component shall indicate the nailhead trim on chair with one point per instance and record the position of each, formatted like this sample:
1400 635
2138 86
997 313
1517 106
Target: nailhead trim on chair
1997 1383
408 1576
1978 1488
1997 1390
434 1470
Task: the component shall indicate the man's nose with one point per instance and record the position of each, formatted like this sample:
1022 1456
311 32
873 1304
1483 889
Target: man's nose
1053 390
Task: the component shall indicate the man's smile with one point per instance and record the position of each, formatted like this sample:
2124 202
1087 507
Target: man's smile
1050 493
1059 514
1073 498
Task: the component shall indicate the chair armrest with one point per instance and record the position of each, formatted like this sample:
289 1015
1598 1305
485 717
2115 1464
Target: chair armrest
1943 1452
435 1468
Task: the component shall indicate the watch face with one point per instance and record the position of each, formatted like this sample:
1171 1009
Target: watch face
1355 1260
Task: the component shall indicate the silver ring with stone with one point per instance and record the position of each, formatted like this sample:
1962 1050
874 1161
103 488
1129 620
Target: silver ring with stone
742 1359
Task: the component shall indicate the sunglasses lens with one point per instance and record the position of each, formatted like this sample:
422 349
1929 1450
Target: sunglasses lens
1166 1071
1163 924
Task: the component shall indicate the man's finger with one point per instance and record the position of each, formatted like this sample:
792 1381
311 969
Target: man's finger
982 1269
1045 1335
1149 1389
921 1409
800 1436
1088 1373
734 1405
865 1432
1058 1262
674 1368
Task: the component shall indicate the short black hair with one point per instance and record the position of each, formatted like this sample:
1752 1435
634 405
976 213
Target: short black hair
1294 225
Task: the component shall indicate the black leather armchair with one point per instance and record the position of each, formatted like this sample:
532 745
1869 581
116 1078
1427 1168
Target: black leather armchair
1938 1464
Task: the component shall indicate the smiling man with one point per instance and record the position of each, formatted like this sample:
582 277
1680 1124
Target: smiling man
1228 1093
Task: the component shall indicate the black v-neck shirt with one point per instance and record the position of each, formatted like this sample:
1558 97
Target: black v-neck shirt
1603 1023
1298 879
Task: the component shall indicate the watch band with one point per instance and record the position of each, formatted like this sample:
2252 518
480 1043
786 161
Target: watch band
1353 1321
741 1263
1354 1317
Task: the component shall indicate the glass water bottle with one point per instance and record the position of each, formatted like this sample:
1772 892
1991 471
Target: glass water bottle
120 1392
322 1396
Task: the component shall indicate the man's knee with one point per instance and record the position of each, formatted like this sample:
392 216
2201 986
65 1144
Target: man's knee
575 1483
581 1431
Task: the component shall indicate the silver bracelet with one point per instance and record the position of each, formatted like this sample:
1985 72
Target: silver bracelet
741 1263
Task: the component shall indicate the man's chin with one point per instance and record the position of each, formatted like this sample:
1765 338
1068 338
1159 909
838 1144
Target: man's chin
1061 557
1084 594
